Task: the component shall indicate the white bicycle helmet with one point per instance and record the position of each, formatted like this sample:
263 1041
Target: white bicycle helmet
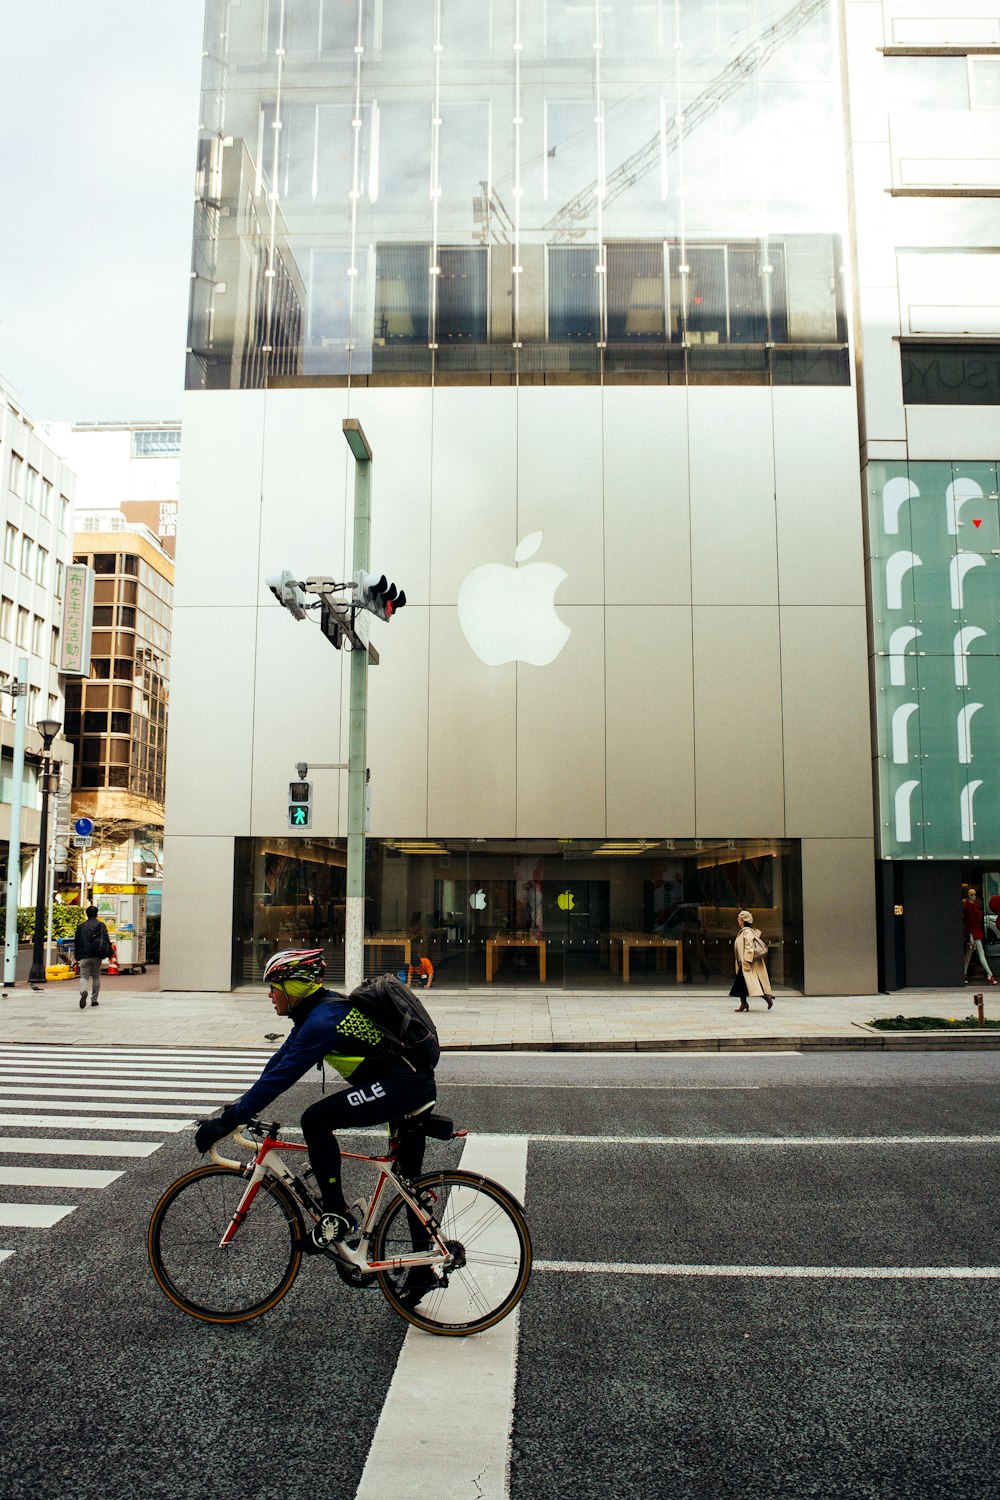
294 963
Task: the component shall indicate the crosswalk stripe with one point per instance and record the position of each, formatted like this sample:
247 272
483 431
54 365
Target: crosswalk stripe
97 1107
5 1253
93 1122
56 1177
37 1145
93 1068
33 1215
423 1445
32 1090
57 1050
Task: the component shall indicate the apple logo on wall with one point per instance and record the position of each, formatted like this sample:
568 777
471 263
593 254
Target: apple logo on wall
478 900
509 614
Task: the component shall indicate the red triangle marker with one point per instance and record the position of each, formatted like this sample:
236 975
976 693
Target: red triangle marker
979 522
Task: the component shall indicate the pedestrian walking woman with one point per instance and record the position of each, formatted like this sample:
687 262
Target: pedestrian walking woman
751 969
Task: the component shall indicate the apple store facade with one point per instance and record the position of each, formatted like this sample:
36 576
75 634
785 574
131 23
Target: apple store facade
578 271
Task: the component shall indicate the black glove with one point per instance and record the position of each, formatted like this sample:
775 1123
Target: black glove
210 1131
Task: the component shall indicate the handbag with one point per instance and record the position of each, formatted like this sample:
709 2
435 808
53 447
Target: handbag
758 946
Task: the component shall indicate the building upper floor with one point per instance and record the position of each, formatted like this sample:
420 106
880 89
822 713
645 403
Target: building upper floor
508 191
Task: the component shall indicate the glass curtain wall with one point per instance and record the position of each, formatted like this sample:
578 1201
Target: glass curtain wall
561 913
459 190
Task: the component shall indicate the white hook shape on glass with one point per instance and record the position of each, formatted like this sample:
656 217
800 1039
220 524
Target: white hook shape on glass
904 831
898 642
964 738
955 496
962 563
895 494
900 733
960 648
896 569
965 802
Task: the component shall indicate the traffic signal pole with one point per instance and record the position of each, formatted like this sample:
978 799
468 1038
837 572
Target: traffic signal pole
20 690
354 934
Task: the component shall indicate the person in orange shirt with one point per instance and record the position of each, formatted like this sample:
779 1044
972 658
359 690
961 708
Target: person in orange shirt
420 975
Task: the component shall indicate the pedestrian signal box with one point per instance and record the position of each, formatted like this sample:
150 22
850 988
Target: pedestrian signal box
300 804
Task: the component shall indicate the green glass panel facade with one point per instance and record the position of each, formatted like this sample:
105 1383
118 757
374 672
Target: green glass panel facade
934 542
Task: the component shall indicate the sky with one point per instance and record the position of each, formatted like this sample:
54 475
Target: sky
99 105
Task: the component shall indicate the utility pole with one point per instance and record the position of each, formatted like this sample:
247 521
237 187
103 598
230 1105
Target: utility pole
20 690
340 621
354 927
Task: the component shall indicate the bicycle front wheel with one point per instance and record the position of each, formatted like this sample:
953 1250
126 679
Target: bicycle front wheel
486 1231
230 1283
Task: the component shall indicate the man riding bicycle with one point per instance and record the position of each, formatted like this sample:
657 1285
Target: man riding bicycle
327 1025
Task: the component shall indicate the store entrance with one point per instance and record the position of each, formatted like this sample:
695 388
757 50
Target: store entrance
491 914
981 925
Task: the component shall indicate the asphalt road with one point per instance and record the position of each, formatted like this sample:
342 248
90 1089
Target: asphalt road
721 1305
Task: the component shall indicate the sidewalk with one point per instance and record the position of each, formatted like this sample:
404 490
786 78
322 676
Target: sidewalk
619 1020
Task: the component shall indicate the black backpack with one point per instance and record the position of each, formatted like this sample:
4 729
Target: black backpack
401 1018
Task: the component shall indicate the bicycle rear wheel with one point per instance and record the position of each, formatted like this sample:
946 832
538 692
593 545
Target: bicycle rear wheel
486 1229
234 1282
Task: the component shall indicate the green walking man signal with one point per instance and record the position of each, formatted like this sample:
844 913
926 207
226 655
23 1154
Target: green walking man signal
300 804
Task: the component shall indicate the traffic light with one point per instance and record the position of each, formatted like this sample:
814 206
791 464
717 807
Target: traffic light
300 812
288 592
377 594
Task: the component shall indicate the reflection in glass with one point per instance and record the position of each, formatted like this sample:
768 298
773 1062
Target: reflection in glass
350 147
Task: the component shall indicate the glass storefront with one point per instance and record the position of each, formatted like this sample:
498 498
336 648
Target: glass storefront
503 191
556 913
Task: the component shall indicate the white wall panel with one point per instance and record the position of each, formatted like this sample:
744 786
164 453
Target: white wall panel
826 725
838 898
647 513
471 737
303 516
737 704
210 744
397 424
400 701
561 750
559 483
197 931
650 722
732 496
220 488
818 496
296 716
473 484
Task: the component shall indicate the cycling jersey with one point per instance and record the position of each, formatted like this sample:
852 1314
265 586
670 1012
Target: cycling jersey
325 1026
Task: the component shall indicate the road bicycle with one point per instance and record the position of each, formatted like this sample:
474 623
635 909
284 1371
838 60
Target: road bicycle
226 1241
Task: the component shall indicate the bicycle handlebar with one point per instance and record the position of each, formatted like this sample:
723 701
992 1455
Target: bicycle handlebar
241 1140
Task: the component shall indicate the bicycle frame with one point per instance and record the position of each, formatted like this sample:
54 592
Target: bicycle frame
269 1162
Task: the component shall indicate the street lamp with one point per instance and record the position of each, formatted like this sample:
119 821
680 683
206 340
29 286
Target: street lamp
48 729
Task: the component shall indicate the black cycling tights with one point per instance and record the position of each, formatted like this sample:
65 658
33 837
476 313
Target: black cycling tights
384 1099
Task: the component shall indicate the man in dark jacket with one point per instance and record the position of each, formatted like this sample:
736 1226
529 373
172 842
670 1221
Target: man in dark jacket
91 945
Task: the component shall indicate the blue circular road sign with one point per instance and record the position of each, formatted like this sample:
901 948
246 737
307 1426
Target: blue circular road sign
83 826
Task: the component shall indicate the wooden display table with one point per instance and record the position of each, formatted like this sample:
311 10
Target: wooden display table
626 941
495 948
390 940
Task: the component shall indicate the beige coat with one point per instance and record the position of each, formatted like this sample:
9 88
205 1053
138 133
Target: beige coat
754 969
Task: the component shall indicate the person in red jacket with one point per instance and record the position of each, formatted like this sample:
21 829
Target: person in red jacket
972 922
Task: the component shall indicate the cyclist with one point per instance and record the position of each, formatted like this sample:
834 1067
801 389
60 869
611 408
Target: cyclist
384 1085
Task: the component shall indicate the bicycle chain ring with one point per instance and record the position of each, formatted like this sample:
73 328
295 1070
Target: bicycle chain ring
354 1276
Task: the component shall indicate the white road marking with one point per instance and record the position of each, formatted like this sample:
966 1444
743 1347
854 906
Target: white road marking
94 1068
5 1253
93 1122
33 1215
445 1426
56 1177
808 1273
23 1145
95 1106
29 1088
58 1050
729 1141
677 1054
